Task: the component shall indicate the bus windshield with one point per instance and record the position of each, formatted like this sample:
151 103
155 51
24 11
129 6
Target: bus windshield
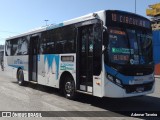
128 46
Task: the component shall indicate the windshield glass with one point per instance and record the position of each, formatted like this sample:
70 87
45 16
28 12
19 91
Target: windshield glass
127 46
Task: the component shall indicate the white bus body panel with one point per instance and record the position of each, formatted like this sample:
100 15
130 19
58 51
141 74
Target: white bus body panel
12 63
50 69
98 90
42 70
68 66
97 86
47 70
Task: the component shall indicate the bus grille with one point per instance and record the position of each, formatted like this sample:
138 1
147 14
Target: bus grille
138 88
134 71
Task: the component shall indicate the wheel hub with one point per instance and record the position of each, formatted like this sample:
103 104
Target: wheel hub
68 87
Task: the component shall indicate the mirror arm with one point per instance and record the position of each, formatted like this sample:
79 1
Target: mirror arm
105 27
103 49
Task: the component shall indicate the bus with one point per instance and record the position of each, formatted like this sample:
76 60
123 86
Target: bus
105 54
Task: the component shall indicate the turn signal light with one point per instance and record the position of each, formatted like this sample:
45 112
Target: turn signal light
98 83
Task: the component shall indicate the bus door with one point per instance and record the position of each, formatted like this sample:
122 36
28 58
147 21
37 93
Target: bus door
89 56
86 57
33 51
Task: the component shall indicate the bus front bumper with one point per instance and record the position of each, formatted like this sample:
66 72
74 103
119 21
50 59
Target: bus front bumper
114 91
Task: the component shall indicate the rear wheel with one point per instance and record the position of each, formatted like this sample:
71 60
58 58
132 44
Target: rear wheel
69 88
20 77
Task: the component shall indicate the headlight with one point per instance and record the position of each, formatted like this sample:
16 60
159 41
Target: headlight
114 80
110 77
118 82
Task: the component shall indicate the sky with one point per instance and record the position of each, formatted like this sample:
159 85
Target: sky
18 16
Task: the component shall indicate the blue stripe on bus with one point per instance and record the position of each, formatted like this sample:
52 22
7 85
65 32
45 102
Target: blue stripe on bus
17 66
54 26
113 72
110 70
57 65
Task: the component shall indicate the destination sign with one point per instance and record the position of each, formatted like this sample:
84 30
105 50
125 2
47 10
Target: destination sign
130 20
121 57
122 50
117 32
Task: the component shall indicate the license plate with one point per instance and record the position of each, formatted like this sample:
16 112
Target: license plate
140 89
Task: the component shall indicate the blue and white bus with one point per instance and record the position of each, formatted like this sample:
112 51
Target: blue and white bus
104 54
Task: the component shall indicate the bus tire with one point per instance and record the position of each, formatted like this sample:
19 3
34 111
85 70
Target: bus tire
69 88
20 77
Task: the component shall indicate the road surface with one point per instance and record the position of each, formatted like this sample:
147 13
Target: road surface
40 98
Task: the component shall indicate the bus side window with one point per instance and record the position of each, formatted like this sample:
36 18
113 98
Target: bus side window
50 47
59 47
68 47
68 35
14 47
43 44
58 40
97 49
22 48
8 48
50 42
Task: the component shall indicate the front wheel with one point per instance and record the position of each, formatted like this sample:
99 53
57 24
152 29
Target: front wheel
20 78
69 88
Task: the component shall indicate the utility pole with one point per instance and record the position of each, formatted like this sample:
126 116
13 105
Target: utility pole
135 6
46 21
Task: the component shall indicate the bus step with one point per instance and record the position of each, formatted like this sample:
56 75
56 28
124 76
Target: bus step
86 88
34 82
89 93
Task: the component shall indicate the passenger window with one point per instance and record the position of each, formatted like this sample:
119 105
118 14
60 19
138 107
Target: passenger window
60 47
22 48
14 48
8 48
59 40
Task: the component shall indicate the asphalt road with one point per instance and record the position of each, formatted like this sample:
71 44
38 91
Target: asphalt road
40 98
